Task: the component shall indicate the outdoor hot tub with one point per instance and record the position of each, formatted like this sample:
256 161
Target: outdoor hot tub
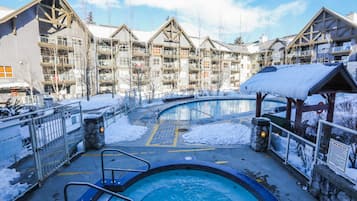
182 181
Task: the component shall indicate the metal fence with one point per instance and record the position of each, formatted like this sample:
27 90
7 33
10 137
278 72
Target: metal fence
49 137
294 150
302 154
346 136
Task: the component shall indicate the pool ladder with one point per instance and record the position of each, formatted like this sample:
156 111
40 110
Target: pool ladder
113 170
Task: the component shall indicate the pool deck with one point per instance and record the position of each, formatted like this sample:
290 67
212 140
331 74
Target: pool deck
258 166
157 147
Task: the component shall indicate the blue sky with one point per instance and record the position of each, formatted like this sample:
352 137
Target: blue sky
221 19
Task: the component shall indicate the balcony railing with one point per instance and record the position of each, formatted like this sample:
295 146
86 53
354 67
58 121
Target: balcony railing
339 49
194 67
59 60
305 53
59 41
104 62
102 48
170 77
61 77
170 66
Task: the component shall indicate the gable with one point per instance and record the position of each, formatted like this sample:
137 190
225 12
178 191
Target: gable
207 44
171 34
324 27
123 34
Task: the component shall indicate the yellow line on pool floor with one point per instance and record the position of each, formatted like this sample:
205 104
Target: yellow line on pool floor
190 150
72 173
112 155
156 127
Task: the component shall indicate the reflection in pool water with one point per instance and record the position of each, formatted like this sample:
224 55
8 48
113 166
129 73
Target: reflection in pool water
213 109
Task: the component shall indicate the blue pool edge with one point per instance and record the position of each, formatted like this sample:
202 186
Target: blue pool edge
130 178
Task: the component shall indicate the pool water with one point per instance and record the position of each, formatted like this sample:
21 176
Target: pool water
187 185
214 109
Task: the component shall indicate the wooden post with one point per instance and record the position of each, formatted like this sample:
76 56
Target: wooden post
288 109
298 115
258 107
331 106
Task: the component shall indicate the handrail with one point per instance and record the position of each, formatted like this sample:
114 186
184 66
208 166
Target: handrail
120 169
95 187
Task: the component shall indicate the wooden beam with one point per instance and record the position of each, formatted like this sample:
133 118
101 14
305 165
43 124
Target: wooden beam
310 108
13 24
258 107
298 115
288 109
331 106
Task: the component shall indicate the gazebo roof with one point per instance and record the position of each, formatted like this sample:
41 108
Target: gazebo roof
300 80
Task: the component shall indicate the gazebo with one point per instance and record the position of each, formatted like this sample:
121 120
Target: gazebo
297 82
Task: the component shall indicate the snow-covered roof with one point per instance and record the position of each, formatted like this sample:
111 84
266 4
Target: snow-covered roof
300 80
5 11
220 46
143 36
101 31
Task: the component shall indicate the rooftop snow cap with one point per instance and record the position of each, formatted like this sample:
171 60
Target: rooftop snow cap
300 80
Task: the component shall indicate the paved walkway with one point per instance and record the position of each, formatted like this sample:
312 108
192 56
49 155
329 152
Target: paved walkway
258 166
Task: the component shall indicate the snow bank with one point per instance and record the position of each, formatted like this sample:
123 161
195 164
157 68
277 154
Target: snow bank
10 191
98 101
218 134
122 130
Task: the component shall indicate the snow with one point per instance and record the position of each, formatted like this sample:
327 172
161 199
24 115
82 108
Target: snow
14 84
293 81
10 191
5 11
97 102
143 36
218 134
351 173
122 130
101 31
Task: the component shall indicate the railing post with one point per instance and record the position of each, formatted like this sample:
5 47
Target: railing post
35 150
287 150
63 118
318 137
270 134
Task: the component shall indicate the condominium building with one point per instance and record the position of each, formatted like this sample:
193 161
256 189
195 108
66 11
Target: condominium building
46 48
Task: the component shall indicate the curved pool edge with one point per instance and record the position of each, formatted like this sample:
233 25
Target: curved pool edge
173 105
130 178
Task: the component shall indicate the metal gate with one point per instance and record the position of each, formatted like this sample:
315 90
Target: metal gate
54 136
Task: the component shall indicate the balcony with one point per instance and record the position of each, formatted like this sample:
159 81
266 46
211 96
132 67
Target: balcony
170 66
106 78
215 69
194 68
63 78
105 64
341 50
170 78
140 52
305 53
56 42
235 70
170 54
104 49
59 61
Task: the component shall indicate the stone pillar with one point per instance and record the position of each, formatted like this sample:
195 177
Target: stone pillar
94 131
260 134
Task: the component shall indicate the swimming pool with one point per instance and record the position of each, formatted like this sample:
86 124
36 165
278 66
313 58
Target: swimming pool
184 181
214 109
187 185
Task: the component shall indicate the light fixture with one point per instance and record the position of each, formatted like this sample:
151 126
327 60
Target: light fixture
263 134
101 129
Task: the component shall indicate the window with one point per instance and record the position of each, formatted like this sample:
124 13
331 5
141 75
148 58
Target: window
124 61
6 72
156 51
123 48
206 64
184 53
156 61
77 41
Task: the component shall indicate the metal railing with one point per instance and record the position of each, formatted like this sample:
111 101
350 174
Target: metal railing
103 190
294 150
347 136
113 170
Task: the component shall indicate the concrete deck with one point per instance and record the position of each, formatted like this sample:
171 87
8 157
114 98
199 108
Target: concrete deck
258 166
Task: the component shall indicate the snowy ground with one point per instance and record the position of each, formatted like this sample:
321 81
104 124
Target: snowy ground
122 130
10 191
98 101
218 134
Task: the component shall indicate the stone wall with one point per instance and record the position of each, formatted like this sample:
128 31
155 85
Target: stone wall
328 186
